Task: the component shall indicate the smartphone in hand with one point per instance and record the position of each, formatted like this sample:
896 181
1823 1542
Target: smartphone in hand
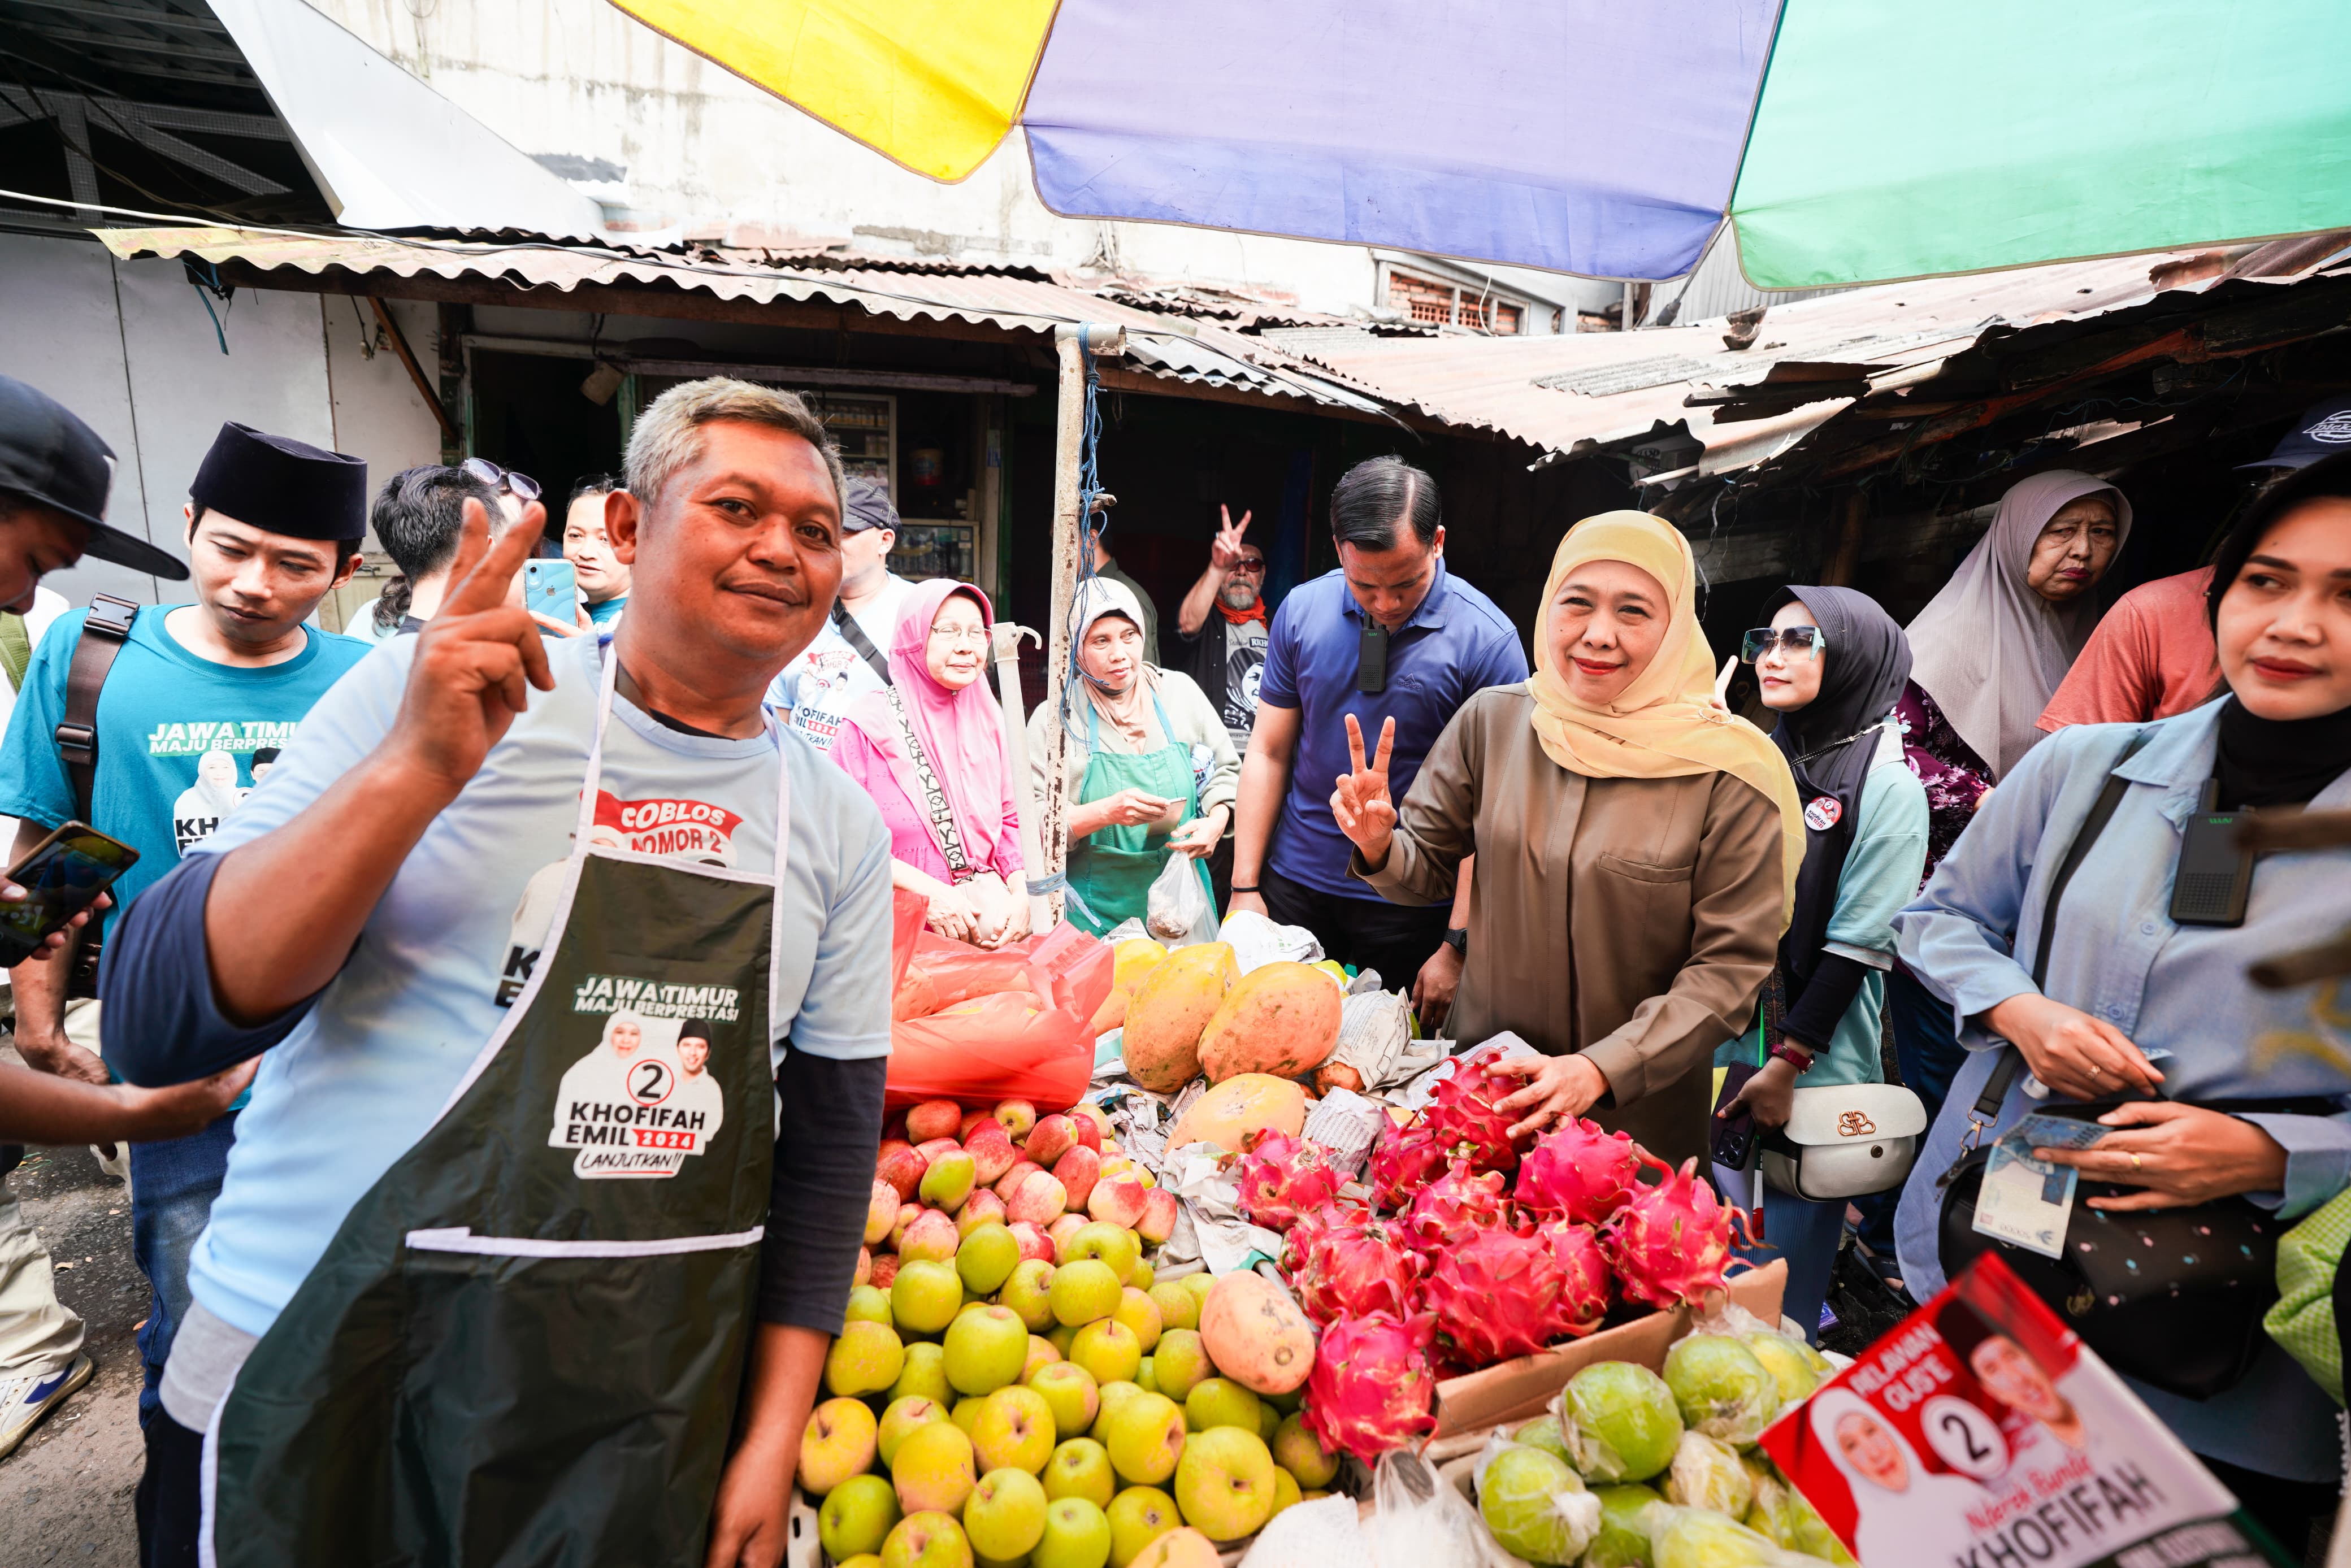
62 876
552 587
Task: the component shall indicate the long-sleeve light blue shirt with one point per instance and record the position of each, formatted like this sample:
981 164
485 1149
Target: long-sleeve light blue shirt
2179 993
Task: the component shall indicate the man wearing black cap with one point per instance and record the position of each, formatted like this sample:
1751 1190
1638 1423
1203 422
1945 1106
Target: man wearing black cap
2152 655
850 656
191 695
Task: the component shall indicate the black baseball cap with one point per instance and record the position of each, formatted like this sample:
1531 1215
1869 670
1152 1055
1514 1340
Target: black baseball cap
865 504
49 455
2323 431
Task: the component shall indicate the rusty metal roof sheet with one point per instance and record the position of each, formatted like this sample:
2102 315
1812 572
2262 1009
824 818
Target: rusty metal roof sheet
1163 344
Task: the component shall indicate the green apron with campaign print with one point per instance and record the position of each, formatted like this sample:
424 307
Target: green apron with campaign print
526 1343
1112 868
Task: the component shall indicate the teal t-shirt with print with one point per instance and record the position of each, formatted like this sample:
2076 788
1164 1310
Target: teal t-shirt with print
178 737
605 614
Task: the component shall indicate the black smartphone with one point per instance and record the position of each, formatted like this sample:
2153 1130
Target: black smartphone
2215 871
1733 1138
62 876
1371 658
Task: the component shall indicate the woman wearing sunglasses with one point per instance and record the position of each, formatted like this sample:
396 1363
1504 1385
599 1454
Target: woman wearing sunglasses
1832 664
2229 1090
1637 845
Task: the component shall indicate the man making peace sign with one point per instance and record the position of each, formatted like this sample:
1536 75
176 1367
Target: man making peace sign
431 1263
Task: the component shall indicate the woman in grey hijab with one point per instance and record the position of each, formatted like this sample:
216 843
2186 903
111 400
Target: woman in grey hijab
1990 648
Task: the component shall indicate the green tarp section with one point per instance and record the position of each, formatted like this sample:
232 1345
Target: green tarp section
1905 139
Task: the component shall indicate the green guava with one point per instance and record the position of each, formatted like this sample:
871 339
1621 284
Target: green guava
1706 1473
1624 1538
1620 1420
1722 1390
1537 1507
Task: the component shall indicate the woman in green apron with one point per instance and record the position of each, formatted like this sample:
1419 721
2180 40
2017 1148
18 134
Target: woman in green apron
1155 774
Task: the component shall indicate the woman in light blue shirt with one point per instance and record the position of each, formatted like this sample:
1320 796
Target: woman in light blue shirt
1832 664
2133 1002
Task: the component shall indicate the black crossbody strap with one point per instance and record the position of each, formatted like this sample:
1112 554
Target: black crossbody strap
1986 1110
103 631
854 635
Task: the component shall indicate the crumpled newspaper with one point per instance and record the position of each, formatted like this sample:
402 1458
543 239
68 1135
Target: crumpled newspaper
1140 1121
1209 1197
1347 1124
1375 1042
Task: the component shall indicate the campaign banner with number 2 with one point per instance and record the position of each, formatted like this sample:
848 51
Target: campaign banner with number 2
1982 1434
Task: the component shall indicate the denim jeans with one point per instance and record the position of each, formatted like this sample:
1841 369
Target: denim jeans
1805 1232
1929 1050
172 1184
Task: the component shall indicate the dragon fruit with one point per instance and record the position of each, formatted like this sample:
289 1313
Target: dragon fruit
1669 1242
1282 1178
1495 1295
1373 1385
1453 1206
1351 1265
1583 1289
1403 1162
1464 1117
1581 1172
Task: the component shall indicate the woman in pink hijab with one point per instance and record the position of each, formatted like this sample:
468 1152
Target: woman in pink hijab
930 751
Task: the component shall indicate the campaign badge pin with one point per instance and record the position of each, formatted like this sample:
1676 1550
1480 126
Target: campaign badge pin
1822 813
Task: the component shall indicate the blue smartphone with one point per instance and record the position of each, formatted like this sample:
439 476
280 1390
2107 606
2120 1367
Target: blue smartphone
550 587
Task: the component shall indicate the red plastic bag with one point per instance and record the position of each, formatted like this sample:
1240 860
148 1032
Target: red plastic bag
1013 1023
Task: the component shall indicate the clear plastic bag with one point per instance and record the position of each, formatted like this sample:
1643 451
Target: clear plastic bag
1420 1522
1539 1510
1179 910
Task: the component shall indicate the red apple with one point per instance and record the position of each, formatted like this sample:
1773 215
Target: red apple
881 1212
1089 1135
933 1119
1061 1230
1009 1182
1039 1198
1016 1117
978 1209
1087 1110
931 1237
864 1267
1034 1242
992 1153
1120 1201
1050 1139
1076 1170
900 1166
971 1119
907 1214
885 1269
932 1148
1158 1221
895 1127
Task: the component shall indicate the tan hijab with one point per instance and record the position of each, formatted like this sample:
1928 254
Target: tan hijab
1667 724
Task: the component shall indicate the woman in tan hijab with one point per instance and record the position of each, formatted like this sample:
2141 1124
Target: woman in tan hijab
1637 845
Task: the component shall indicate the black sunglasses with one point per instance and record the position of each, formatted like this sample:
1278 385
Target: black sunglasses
522 486
1248 563
1796 639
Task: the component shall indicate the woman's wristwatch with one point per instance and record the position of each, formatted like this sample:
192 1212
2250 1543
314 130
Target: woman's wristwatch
1457 938
1794 1056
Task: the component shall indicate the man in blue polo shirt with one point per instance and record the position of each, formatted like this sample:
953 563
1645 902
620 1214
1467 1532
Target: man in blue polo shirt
1389 636
196 693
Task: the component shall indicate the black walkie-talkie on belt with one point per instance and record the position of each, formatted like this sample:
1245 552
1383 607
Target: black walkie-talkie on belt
1371 658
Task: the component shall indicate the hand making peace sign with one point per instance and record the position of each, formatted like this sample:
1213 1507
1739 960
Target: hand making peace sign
477 659
1225 549
1361 803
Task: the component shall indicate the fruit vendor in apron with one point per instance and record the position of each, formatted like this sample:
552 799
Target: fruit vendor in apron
557 1176
1150 771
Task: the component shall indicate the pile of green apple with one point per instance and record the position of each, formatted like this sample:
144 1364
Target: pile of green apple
1061 1411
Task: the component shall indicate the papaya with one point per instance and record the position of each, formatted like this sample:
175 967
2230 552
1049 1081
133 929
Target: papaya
1281 1019
1245 1103
1137 956
1171 1007
1256 1334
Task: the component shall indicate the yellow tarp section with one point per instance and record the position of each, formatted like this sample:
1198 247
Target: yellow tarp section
931 84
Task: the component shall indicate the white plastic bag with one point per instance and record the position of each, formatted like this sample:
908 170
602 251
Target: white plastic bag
1258 941
1314 1535
1179 912
1420 1522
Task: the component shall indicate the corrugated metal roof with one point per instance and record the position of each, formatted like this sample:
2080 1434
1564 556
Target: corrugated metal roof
1165 345
1588 389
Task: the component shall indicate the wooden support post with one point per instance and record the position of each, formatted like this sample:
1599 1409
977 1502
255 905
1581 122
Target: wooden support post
1069 437
1853 516
451 435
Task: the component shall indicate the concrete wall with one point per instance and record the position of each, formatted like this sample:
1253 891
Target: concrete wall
129 347
580 79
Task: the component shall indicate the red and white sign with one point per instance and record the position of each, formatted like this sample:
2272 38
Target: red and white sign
688 830
1981 1434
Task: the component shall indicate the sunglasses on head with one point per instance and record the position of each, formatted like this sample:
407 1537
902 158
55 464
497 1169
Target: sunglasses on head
522 486
1792 641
